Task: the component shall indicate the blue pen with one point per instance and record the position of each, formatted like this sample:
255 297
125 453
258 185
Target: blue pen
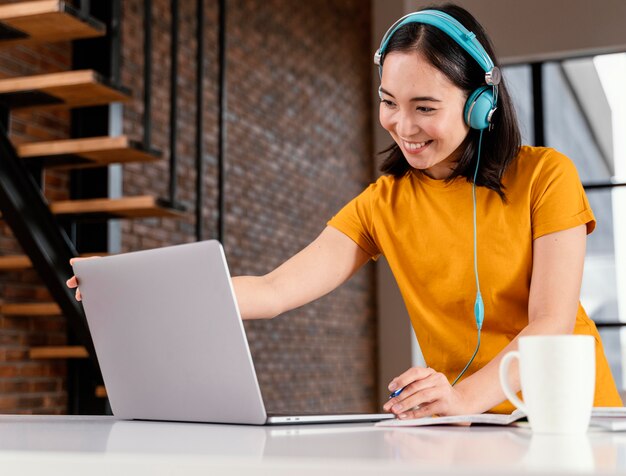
396 393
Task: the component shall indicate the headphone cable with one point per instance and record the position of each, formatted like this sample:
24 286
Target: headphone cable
470 361
479 308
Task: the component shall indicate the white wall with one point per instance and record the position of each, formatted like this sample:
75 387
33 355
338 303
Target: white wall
539 30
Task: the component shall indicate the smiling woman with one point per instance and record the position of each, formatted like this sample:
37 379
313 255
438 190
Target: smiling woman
529 217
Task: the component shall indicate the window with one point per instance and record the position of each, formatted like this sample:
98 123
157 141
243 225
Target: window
583 116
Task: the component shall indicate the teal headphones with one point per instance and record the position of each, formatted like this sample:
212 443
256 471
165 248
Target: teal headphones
478 111
481 103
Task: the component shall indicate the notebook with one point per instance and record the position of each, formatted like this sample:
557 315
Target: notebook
607 418
170 341
474 419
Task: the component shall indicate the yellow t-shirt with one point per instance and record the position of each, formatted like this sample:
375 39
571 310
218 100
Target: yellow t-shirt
424 229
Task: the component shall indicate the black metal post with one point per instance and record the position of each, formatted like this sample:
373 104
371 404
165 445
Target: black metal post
603 185
5 118
538 119
37 172
605 325
147 74
221 141
115 38
199 118
85 8
104 55
173 99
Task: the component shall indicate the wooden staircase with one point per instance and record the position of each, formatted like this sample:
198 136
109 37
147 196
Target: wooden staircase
52 21
45 21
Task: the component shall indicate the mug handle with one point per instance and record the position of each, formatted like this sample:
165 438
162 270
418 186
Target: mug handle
504 373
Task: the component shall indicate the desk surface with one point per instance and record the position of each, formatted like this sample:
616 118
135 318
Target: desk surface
104 445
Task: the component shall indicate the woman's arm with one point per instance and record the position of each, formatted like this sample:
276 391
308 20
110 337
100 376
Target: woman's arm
315 271
558 260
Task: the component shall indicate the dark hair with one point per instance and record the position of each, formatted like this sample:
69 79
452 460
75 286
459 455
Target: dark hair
500 145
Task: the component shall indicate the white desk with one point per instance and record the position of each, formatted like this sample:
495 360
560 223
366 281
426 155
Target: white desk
102 445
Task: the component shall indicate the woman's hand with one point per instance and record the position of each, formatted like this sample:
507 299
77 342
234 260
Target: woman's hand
72 283
427 389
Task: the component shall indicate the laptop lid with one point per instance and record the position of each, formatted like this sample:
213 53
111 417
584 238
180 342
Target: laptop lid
170 340
168 335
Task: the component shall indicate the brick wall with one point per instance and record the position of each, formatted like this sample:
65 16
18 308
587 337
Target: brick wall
298 148
154 178
28 386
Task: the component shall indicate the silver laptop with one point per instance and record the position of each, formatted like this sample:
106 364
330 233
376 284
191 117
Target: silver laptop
170 340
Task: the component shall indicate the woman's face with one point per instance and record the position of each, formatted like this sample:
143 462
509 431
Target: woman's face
423 111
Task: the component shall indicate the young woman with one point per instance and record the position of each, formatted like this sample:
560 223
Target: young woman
518 236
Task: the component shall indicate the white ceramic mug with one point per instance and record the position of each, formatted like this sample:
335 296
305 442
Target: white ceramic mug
557 375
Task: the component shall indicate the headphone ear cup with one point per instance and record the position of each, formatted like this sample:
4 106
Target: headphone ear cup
479 107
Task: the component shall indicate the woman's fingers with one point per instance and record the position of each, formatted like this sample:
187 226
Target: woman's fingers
425 410
410 381
427 396
413 393
411 375
73 282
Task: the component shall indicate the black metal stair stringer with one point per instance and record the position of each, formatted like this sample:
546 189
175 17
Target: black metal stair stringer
25 210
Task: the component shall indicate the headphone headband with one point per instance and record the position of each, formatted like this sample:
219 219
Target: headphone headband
454 29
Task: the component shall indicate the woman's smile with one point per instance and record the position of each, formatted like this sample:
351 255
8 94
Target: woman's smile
414 148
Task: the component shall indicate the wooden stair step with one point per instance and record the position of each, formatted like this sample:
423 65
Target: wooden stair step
22 262
45 20
87 152
31 309
67 88
101 391
128 207
60 352
15 262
